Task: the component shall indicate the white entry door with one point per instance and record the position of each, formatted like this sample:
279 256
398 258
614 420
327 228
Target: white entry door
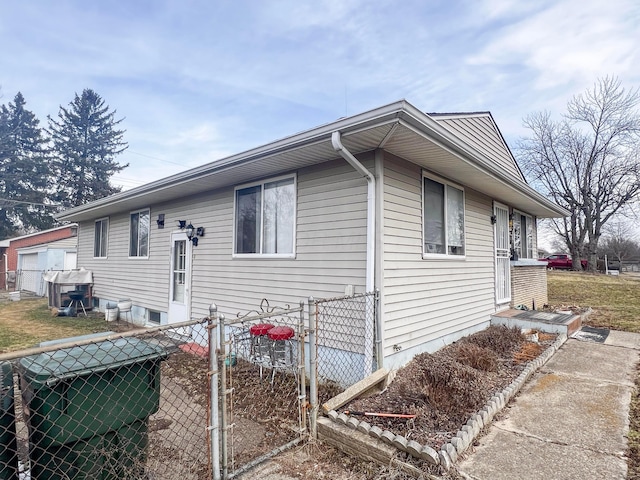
503 254
180 289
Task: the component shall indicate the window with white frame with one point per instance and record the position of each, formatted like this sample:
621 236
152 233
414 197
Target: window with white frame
443 218
265 217
139 233
523 235
100 238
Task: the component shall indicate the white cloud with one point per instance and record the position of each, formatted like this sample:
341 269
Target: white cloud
567 43
200 80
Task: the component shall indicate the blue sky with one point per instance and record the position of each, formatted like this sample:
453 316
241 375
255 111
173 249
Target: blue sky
199 80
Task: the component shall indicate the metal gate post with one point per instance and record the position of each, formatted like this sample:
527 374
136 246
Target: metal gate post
224 421
313 367
378 332
302 398
214 418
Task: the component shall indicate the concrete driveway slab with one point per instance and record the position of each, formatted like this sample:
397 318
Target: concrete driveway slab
570 420
623 339
508 456
595 361
565 410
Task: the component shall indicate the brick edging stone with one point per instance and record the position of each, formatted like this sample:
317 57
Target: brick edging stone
450 451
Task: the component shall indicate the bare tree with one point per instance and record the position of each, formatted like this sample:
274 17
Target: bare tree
586 162
619 241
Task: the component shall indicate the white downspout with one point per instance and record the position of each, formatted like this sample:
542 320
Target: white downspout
371 243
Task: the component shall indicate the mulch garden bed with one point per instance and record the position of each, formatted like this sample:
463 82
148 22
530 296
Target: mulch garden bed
443 389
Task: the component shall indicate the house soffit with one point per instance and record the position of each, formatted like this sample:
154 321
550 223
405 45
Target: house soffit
256 168
411 145
399 128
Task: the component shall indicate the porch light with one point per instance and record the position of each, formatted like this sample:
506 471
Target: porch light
192 232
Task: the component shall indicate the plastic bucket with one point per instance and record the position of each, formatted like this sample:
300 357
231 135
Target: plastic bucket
111 314
125 305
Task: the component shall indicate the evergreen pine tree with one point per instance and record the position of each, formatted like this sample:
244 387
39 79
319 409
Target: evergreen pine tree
85 141
24 171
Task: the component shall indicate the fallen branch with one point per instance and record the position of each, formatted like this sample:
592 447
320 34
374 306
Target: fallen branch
380 414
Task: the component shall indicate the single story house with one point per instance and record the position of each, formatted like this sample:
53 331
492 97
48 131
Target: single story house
431 209
26 258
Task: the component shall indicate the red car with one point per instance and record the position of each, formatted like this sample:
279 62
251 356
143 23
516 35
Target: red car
561 261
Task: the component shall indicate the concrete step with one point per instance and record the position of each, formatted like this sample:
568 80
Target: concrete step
567 323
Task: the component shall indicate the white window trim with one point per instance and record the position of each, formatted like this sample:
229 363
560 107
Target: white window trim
103 219
530 219
148 210
442 256
291 255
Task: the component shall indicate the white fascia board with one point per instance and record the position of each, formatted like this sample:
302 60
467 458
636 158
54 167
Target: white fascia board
397 111
421 122
362 121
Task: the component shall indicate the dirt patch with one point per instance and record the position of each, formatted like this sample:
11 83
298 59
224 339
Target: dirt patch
264 413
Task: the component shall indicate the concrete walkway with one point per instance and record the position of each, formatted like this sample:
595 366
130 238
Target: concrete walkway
569 421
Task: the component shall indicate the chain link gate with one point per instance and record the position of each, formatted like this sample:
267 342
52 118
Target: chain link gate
127 405
262 379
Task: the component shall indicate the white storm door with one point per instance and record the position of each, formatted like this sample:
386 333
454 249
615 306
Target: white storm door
180 281
503 255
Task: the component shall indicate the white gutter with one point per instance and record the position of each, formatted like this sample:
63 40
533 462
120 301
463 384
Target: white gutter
371 246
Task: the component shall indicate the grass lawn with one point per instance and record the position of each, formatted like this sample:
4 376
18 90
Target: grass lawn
615 300
28 322
616 305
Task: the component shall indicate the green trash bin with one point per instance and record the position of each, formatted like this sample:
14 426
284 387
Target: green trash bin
82 405
8 444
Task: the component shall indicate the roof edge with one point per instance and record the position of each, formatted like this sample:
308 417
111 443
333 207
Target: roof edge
297 140
401 111
55 229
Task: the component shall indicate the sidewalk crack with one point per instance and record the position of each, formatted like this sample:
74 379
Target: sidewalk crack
520 433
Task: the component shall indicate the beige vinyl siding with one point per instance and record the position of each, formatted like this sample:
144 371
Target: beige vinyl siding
425 299
480 131
330 249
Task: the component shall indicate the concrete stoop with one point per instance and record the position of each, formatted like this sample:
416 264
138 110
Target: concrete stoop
560 323
360 439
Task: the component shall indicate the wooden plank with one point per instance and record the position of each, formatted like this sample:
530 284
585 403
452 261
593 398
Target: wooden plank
356 390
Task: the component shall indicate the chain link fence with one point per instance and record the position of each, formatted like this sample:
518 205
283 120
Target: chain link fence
196 400
345 341
129 405
262 378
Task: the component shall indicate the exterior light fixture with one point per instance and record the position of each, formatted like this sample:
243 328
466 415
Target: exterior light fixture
160 220
494 219
192 232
